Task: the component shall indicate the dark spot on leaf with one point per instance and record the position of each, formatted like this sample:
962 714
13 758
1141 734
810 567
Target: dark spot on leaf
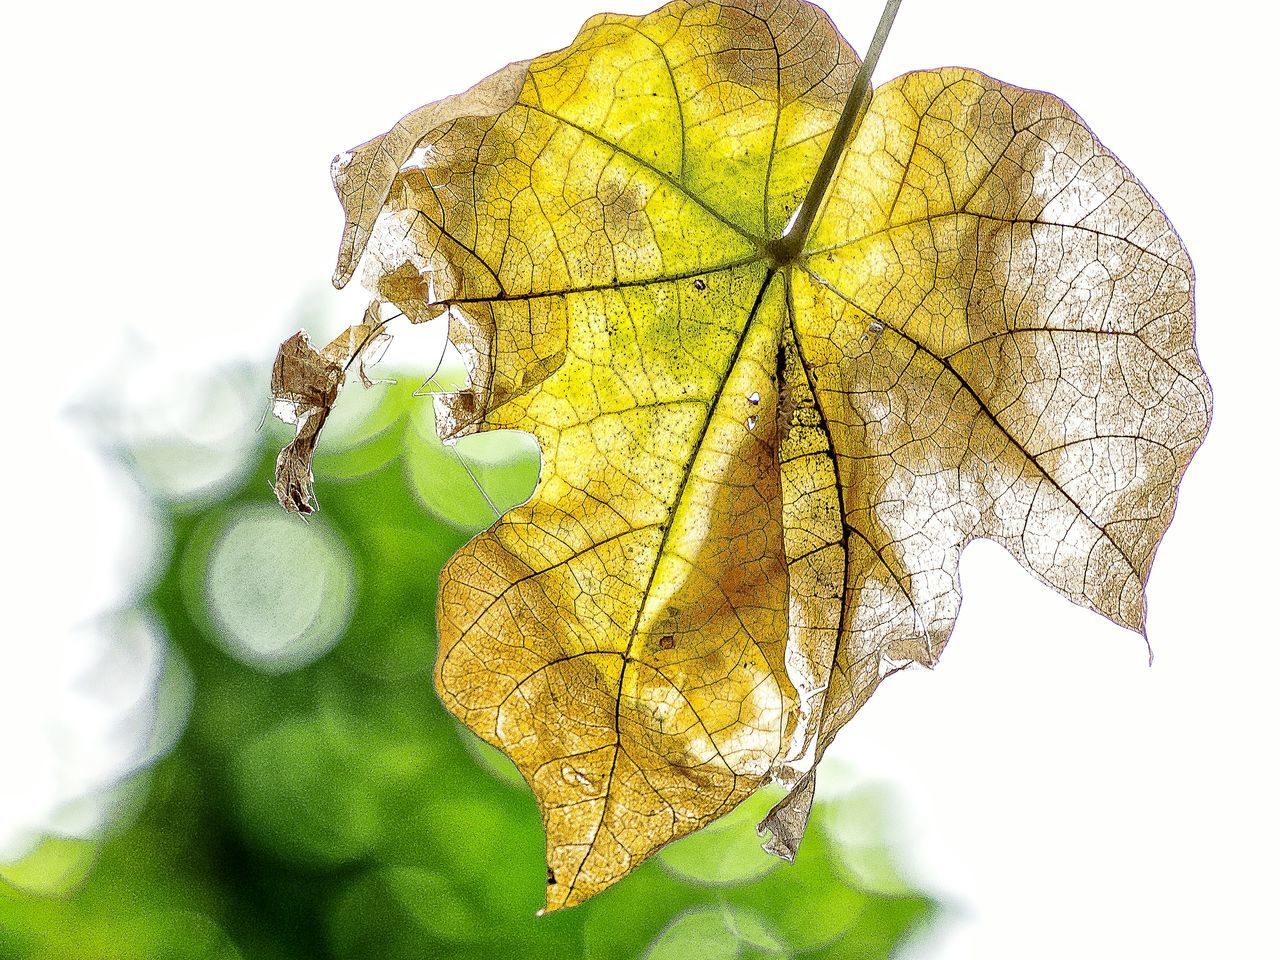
667 642
692 774
699 284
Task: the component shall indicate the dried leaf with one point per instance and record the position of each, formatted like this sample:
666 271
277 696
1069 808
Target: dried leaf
763 452
363 175
305 384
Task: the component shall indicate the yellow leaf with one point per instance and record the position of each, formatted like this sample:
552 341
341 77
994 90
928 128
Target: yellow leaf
764 450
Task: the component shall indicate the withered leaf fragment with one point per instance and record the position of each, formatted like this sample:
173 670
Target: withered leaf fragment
763 451
305 384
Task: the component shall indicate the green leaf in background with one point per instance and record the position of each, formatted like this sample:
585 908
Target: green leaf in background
319 802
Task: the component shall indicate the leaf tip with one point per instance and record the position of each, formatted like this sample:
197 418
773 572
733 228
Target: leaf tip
294 484
785 823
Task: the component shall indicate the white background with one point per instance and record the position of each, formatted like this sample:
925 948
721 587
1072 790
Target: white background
167 198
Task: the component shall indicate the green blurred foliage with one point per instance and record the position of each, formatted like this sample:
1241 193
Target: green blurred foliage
321 803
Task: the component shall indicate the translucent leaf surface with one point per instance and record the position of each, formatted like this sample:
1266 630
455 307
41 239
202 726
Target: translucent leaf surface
762 459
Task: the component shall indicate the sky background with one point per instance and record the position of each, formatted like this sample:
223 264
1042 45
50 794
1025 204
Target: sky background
169 212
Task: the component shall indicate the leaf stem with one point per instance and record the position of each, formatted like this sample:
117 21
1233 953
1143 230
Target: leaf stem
788 246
